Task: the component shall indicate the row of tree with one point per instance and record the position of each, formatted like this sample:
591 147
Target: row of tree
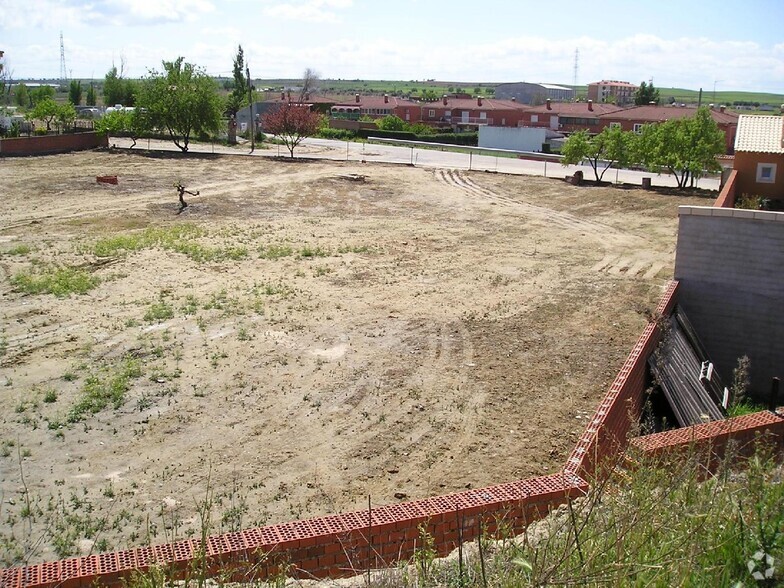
684 147
183 102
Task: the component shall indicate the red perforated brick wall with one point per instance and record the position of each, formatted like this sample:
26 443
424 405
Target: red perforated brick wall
712 439
726 197
331 546
606 434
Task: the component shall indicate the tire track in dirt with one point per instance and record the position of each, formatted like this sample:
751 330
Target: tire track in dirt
448 349
631 265
604 234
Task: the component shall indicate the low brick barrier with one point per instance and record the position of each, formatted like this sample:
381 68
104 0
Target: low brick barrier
46 144
333 546
714 438
726 197
606 434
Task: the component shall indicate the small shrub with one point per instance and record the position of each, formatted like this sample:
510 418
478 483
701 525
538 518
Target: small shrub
337 134
750 202
20 249
50 396
103 389
158 312
61 282
274 252
308 251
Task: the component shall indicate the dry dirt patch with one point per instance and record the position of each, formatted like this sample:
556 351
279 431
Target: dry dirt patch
302 336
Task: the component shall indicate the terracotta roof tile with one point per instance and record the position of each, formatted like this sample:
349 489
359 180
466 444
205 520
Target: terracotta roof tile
576 109
662 113
760 134
473 104
374 102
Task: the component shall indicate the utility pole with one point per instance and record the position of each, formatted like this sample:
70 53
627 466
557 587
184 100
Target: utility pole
250 105
576 69
63 72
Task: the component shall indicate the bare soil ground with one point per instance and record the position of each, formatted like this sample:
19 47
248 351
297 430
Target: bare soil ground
298 338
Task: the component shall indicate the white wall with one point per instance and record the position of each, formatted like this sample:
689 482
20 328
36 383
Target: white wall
517 139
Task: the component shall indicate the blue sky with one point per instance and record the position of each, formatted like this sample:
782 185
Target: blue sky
733 45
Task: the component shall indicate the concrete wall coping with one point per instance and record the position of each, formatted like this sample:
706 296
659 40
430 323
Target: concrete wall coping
766 215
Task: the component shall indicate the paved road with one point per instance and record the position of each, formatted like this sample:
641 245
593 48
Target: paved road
347 151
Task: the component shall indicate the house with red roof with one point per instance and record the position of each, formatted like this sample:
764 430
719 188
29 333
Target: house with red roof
633 119
470 113
376 107
759 156
568 117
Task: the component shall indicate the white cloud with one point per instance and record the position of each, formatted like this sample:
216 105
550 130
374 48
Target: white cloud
308 10
61 14
148 12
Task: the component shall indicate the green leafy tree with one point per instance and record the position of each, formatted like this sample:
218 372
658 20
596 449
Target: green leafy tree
646 94
686 147
46 110
117 89
5 79
22 96
611 146
391 123
239 94
133 123
182 100
40 94
292 124
75 92
66 115
421 129
90 100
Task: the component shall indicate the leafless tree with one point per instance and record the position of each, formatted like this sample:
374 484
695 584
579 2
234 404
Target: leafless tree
310 80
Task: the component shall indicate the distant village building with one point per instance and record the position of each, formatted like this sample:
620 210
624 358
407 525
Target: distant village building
612 91
528 93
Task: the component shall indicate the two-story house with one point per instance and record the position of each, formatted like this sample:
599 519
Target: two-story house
568 117
633 119
469 113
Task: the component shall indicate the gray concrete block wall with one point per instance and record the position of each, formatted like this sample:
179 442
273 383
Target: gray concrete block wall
730 264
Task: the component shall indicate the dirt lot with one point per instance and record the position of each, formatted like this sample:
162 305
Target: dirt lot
298 338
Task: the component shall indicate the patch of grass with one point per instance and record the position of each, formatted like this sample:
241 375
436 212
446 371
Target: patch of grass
321 270
271 289
191 305
50 396
60 281
660 524
354 249
178 238
308 252
101 390
20 249
275 252
744 407
158 312
243 334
